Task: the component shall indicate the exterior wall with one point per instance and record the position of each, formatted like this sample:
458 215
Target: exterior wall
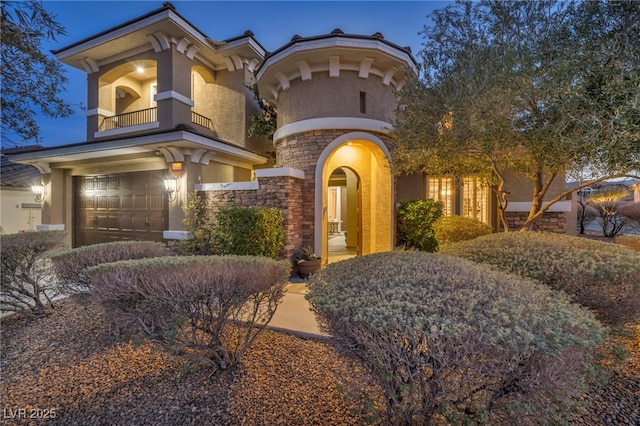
283 192
410 187
18 210
550 221
324 96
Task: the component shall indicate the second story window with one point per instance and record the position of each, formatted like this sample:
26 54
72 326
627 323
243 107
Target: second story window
363 102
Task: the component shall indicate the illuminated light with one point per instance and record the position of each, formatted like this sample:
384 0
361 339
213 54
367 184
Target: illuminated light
176 167
39 191
172 187
140 70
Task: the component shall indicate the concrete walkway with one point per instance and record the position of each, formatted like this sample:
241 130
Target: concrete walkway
294 315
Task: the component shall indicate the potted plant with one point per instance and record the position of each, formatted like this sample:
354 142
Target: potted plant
307 262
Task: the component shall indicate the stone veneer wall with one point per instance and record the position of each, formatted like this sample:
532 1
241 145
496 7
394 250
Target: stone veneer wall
550 221
302 151
283 192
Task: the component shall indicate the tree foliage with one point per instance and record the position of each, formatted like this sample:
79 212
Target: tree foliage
30 79
542 88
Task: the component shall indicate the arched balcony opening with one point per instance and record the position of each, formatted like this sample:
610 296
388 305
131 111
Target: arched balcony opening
127 95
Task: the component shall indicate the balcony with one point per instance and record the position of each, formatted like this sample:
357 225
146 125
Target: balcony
142 120
201 120
129 119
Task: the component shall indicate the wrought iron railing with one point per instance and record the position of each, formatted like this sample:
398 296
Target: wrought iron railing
129 119
201 120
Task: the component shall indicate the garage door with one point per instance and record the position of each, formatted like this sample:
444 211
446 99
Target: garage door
128 206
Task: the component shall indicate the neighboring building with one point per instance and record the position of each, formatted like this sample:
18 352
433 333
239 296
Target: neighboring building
166 101
19 209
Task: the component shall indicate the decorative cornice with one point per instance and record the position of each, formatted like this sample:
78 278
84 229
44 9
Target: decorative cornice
98 111
172 94
343 123
280 172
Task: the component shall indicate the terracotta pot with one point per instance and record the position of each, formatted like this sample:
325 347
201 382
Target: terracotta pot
308 267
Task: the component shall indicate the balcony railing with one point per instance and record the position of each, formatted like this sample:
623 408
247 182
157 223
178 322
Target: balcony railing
201 120
130 119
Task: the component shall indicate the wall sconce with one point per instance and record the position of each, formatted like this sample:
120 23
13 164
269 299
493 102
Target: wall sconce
172 187
40 191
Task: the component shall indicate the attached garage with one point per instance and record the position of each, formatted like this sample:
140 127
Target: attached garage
126 206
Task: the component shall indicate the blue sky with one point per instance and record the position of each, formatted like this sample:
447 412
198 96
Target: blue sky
272 22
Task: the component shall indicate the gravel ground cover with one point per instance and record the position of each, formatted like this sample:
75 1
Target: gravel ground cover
65 369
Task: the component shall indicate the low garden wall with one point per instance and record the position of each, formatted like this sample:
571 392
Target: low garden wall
278 187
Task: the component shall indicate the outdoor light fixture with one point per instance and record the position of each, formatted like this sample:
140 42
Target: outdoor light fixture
176 166
172 187
39 190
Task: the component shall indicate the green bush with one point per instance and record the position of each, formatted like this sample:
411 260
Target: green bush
242 231
451 229
70 265
602 276
211 307
447 336
26 271
415 223
249 231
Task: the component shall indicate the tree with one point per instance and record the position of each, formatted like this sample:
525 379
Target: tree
541 88
606 199
29 78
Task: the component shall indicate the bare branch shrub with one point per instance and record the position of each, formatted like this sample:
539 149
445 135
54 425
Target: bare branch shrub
447 337
606 201
601 276
212 307
71 265
26 271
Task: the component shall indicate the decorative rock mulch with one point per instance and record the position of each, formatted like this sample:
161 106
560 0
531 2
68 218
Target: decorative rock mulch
66 370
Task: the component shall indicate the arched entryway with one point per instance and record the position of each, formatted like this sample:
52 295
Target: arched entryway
363 160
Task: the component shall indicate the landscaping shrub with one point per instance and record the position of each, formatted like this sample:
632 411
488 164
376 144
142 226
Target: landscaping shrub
242 231
26 271
70 265
415 223
451 229
249 231
194 303
629 241
447 337
602 276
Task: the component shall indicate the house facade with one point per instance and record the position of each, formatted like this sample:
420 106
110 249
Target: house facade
168 113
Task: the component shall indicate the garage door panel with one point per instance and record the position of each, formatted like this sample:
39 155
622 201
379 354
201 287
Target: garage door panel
140 202
156 202
127 202
119 207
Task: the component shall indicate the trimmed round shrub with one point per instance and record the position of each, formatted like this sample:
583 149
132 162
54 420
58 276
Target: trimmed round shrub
415 223
210 307
70 265
602 276
447 337
451 229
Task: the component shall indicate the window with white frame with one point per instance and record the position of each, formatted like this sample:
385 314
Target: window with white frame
440 188
475 199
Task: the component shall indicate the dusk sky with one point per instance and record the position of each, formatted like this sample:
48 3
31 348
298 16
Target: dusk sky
272 22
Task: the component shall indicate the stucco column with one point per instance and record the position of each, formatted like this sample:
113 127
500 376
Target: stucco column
174 88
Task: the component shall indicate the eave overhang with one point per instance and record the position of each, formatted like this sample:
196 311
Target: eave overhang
174 146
